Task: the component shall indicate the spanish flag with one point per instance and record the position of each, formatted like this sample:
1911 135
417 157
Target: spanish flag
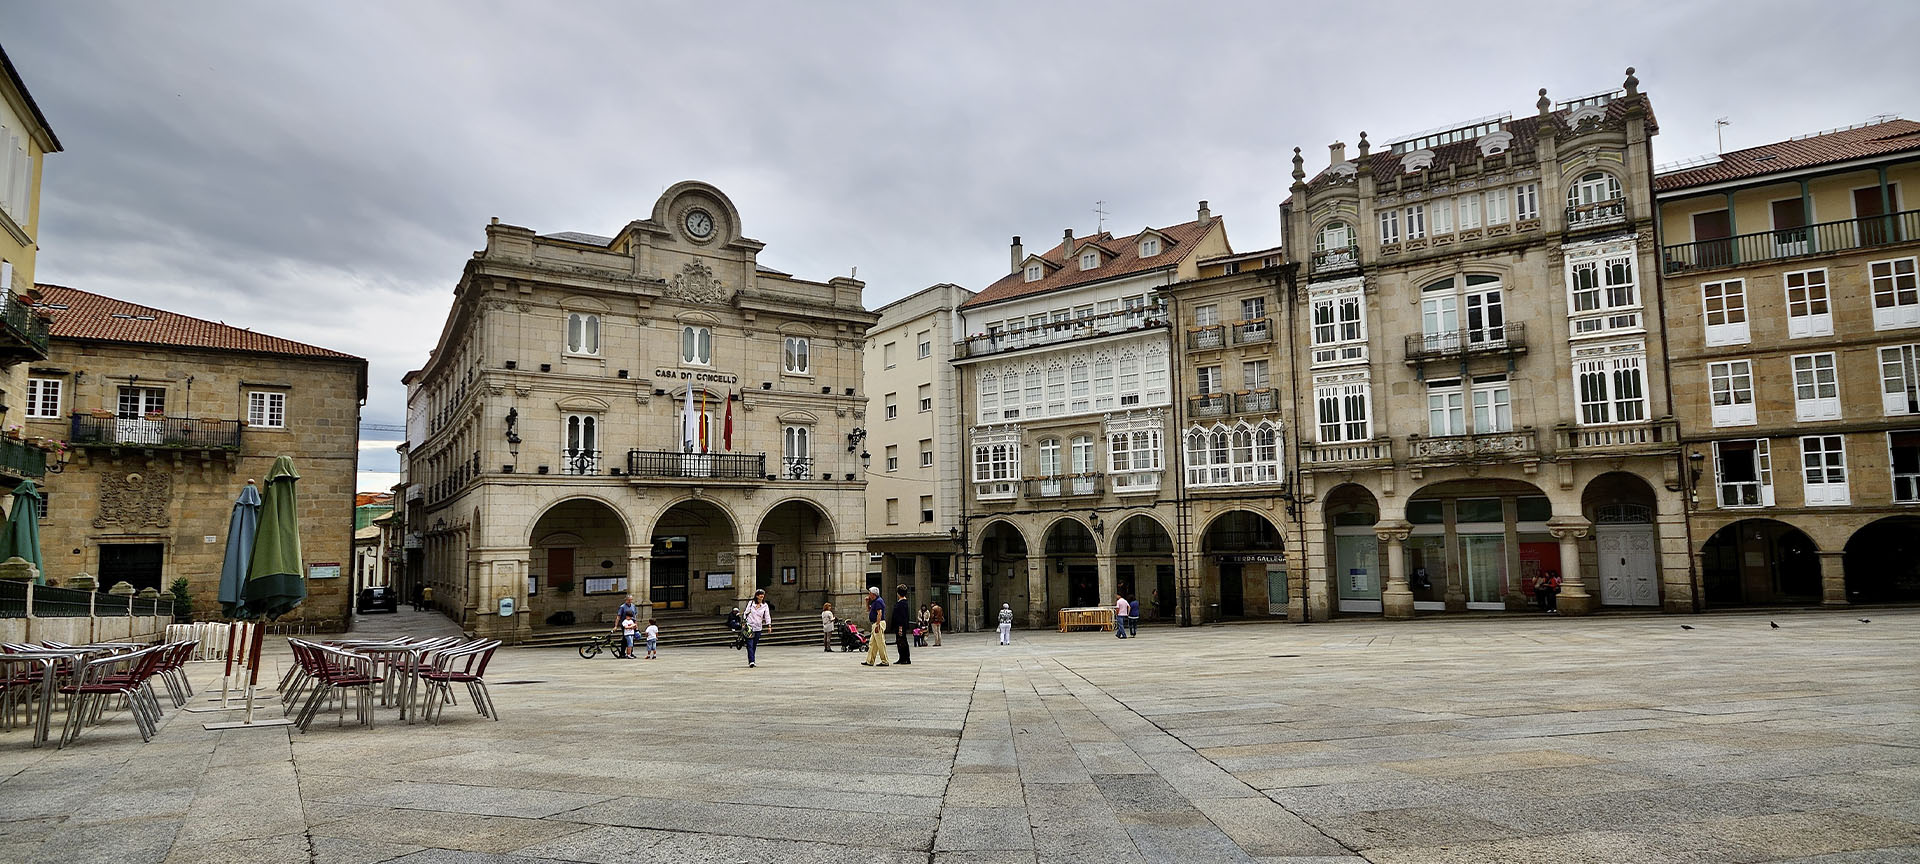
703 420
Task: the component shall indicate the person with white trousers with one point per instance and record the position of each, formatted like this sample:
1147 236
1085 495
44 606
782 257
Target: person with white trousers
1006 624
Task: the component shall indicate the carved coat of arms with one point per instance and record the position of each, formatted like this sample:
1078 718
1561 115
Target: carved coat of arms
132 500
696 282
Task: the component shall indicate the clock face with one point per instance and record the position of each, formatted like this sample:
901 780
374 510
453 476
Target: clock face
699 224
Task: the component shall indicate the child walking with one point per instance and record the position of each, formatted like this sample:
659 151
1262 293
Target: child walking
653 639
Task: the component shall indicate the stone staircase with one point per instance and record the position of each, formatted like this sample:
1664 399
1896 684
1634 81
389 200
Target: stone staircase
686 629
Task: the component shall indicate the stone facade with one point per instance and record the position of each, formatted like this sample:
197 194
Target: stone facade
1067 377
1793 318
914 481
147 498
1480 372
26 140
547 441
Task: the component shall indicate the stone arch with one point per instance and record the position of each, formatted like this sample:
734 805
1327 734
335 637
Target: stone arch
578 557
1760 561
692 535
1624 545
1002 561
1882 562
1480 543
793 560
1238 548
1143 562
1072 572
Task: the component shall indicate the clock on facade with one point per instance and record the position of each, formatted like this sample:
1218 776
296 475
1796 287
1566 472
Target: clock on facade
699 224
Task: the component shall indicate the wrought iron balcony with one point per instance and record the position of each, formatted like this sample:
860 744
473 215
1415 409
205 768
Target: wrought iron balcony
1652 435
23 334
184 433
1487 447
666 464
580 463
1347 454
1065 486
1336 260
1057 332
1596 215
1204 338
1253 332
1786 243
1256 401
1210 405
21 459
1508 337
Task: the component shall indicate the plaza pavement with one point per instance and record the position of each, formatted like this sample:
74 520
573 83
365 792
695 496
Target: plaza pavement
1519 739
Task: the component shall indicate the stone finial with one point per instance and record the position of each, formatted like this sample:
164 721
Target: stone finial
1544 104
1633 84
148 593
19 569
83 582
121 589
1299 169
1364 146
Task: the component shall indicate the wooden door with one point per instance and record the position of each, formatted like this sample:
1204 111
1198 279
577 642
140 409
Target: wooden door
1869 204
1627 565
559 566
1714 226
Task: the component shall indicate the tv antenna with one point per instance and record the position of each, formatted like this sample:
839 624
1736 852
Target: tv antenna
1722 123
1099 216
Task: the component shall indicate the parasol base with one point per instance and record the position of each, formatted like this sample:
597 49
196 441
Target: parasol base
257 724
216 708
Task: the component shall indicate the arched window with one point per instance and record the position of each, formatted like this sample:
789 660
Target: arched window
582 454
1050 459
1593 187
583 333
1336 235
696 345
796 445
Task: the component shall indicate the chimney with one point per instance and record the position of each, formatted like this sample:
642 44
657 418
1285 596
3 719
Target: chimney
1019 254
1066 244
1205 214
1337 152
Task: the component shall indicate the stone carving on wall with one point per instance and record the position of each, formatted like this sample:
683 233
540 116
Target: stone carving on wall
133 500
696 283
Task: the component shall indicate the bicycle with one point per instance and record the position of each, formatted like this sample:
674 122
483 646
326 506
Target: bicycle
601 642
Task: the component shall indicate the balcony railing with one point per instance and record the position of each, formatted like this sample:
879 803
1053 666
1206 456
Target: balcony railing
1055 332
1252 332
1237 474
580 463
1597 214
1347 454
1064 486
796 467
1335 260
1511 336
186 433
22 459
1816 239
1473 448
666 464
1203 338
23 334
1663 434
1210 405
1256 401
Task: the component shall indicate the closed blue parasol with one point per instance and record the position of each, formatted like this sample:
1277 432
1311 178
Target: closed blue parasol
240 533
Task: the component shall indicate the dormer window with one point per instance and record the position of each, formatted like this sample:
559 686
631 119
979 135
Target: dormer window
1033 272
1593 188
1149 247
1089 260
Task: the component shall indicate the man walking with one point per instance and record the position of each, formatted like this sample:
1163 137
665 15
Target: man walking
1120 610
876 629
1133 617
938 617
1006 624
903 626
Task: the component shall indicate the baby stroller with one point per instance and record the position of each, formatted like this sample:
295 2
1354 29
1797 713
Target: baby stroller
738 625
851 639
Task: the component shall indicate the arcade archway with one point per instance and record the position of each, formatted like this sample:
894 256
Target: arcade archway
1760 561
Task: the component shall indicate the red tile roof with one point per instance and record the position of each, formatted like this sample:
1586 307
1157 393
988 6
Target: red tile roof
83 315
1879 139
1182 240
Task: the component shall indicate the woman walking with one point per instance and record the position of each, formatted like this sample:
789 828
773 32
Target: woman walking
759 622
826 625
1006 624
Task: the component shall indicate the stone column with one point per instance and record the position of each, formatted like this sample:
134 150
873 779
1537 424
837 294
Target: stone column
746 566
846 585
1573 599
640 578
494 574
1833 578
922 580
1109 581
1396 599
1036 592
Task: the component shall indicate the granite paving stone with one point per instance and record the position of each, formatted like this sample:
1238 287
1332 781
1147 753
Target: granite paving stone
1612 739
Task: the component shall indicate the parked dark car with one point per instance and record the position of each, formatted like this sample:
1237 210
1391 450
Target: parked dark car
379 600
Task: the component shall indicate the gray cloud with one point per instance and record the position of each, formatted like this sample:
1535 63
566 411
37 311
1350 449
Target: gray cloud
321 171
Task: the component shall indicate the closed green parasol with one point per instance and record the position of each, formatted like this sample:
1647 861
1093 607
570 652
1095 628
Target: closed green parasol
23 528
275 583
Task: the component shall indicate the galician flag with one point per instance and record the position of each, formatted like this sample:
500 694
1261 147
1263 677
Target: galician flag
687 429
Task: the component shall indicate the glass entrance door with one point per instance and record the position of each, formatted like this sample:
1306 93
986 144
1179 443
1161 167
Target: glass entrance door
669 573
1485 560
1356 564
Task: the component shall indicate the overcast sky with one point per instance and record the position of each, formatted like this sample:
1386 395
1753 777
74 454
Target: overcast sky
321 171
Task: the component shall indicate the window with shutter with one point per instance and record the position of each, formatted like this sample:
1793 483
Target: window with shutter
1900 379
1730 384
1823 463
1816 387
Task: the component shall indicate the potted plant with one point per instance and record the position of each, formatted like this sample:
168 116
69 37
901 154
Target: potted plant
564 587
182 601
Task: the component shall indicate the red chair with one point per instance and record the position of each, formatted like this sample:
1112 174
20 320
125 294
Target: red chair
331 671
463 666
102 678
